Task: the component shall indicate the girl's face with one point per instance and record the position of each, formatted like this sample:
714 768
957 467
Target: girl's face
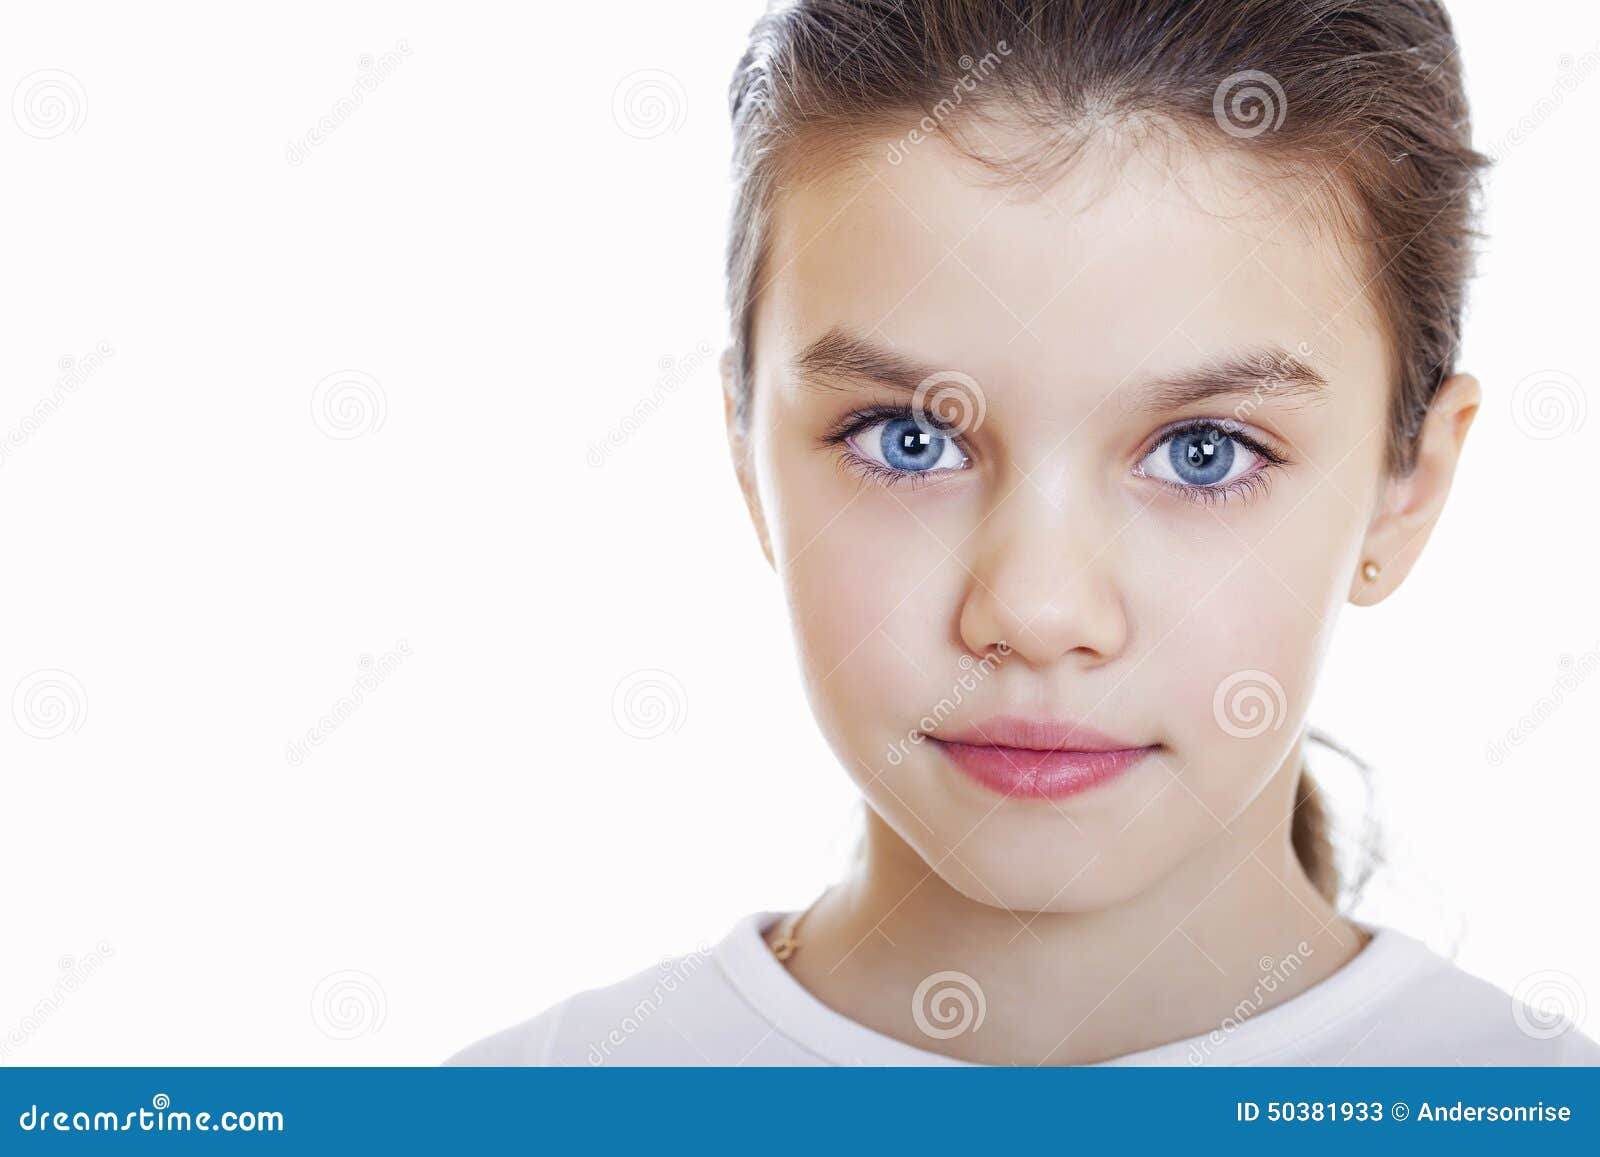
1140 495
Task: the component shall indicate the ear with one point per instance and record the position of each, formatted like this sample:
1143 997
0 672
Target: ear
740 449
1411 505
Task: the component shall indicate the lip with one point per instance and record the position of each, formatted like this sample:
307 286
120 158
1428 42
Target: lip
1038 758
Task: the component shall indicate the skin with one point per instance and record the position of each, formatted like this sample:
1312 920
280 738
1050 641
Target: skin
1138 912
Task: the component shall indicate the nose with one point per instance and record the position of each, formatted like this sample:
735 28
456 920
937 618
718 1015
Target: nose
1043 583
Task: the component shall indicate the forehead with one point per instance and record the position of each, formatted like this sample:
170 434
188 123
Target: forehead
1133 258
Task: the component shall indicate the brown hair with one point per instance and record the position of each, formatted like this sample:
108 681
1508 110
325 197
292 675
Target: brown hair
1361 100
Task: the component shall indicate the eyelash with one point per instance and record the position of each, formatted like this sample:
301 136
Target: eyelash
1244 485
1258 481
856 421
1254 483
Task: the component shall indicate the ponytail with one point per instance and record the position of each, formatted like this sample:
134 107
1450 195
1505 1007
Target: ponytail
1311 831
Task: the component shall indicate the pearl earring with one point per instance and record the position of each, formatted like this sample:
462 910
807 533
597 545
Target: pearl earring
1369 570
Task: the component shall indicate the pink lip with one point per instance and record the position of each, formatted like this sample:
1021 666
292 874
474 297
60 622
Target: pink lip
1040 759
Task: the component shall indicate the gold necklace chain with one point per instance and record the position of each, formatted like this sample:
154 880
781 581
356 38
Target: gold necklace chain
787 940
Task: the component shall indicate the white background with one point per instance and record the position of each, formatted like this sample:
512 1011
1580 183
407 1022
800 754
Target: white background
518 255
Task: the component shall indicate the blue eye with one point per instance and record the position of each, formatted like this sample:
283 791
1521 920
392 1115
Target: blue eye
1203 456
908 446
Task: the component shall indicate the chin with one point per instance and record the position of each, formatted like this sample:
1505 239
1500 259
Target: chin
1040 883
1042 865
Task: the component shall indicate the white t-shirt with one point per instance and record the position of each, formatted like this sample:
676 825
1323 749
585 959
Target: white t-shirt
1397 1002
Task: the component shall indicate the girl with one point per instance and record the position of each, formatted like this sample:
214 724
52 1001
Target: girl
1087 356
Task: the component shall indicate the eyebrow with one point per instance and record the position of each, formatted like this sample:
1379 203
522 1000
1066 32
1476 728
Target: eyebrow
840 360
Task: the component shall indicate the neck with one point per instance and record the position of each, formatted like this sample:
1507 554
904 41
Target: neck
1175 961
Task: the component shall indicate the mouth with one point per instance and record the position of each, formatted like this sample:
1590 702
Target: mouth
1038 759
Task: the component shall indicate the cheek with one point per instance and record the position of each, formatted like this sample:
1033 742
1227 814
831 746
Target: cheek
870 596
1235 650
1242 666
872 590
1244 605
